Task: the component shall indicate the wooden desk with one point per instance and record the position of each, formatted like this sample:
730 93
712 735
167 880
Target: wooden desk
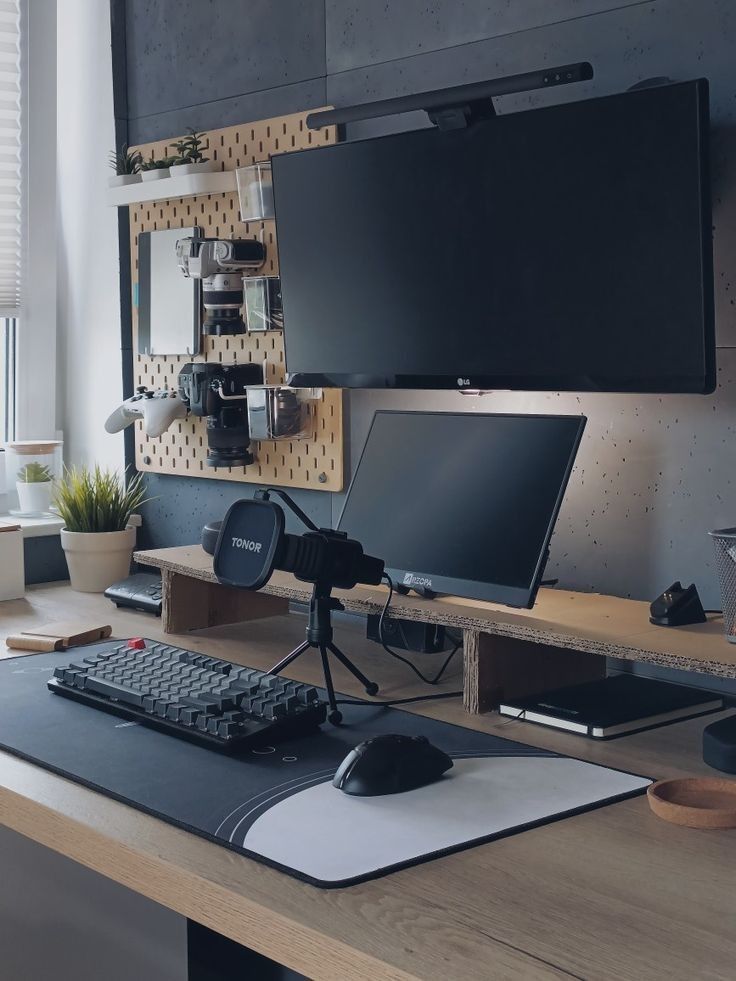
614 893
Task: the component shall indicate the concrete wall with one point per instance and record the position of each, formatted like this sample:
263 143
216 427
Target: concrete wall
654 473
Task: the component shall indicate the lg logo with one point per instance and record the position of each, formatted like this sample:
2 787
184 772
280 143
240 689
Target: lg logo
463 381
247 544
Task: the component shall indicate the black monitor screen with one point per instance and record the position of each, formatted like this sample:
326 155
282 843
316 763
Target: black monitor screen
462 503
567 247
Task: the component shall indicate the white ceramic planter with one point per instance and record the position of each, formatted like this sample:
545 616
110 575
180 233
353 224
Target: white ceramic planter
155 175
203 167
34 498
97 560
121 180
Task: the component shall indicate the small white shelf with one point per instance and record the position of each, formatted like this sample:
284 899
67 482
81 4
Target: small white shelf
183 186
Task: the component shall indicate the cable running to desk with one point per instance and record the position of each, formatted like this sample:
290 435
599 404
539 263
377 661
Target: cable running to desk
405 660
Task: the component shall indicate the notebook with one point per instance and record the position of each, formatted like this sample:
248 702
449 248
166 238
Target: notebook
612 706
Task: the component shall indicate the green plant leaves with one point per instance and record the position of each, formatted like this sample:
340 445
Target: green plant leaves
34 473
97 500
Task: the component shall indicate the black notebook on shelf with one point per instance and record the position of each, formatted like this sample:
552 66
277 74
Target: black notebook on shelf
612 706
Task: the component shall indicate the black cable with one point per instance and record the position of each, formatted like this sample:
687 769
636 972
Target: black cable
399 657
399 701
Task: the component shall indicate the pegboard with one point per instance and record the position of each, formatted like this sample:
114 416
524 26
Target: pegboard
315 462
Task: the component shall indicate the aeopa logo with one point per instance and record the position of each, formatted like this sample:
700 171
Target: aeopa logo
247 544
411 580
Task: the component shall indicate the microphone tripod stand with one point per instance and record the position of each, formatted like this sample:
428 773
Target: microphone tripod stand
319 637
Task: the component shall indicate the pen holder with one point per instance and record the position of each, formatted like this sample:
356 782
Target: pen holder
277 412
255 191
262 301
724 542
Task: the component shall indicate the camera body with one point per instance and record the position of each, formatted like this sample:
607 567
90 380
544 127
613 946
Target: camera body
220 264
218 393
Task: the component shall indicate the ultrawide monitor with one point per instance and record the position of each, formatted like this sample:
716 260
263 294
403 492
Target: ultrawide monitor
566 247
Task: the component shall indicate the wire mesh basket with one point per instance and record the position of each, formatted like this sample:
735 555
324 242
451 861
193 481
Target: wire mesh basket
724 541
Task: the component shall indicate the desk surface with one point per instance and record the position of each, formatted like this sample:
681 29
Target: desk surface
612 893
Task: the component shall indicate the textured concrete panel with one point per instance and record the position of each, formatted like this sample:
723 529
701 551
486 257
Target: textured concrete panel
181 506
229 112
666 38
363 32
654 474
188 52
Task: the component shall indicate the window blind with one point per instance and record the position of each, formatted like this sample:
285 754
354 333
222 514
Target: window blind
10 158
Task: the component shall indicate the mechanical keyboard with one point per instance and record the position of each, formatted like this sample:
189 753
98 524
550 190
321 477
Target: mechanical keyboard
215 703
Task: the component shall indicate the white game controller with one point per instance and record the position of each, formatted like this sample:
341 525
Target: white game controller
157 410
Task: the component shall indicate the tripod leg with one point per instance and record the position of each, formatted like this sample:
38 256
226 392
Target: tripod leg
370 686
304 646
335 715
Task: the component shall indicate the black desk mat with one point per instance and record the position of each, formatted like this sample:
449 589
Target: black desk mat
222 798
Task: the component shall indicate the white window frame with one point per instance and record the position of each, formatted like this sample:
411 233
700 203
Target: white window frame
36 361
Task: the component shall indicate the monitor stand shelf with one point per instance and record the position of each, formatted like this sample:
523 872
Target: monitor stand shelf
508 653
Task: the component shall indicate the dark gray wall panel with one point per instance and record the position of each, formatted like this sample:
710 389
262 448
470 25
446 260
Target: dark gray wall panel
229 112
188 52
44 560
180 506
364 32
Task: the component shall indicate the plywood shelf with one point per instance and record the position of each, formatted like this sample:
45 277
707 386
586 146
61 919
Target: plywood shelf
508 652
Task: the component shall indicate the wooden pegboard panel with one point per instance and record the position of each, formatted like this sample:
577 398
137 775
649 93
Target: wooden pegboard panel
316 462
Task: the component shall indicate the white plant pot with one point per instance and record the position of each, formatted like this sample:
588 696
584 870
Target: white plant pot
121 180
97 560
34 498
204 167
155 175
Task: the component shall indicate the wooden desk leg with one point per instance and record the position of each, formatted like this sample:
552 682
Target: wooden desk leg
498 668
193 604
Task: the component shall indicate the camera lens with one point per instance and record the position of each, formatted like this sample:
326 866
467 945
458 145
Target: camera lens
228 438
222 296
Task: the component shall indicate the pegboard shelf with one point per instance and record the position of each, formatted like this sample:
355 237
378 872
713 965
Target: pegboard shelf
168 188
316 462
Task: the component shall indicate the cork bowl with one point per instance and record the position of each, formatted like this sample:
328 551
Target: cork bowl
695 802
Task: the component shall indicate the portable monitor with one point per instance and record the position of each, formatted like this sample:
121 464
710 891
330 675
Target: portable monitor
462 503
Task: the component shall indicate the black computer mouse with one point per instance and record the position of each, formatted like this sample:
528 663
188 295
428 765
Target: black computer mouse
390 764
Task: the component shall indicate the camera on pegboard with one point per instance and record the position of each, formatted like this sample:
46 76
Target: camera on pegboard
220 264
218 392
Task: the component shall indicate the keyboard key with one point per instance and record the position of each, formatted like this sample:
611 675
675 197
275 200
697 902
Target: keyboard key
227 729
120 692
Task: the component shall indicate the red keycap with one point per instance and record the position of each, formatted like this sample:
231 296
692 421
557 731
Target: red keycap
137 644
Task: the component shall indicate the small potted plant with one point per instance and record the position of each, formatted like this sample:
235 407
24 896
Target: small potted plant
127 167
95 506
33 483
191 159
156 170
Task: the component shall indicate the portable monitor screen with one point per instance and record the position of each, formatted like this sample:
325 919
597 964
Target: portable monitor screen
462 503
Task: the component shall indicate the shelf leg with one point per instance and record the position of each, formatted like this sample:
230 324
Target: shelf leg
498 668
193 604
